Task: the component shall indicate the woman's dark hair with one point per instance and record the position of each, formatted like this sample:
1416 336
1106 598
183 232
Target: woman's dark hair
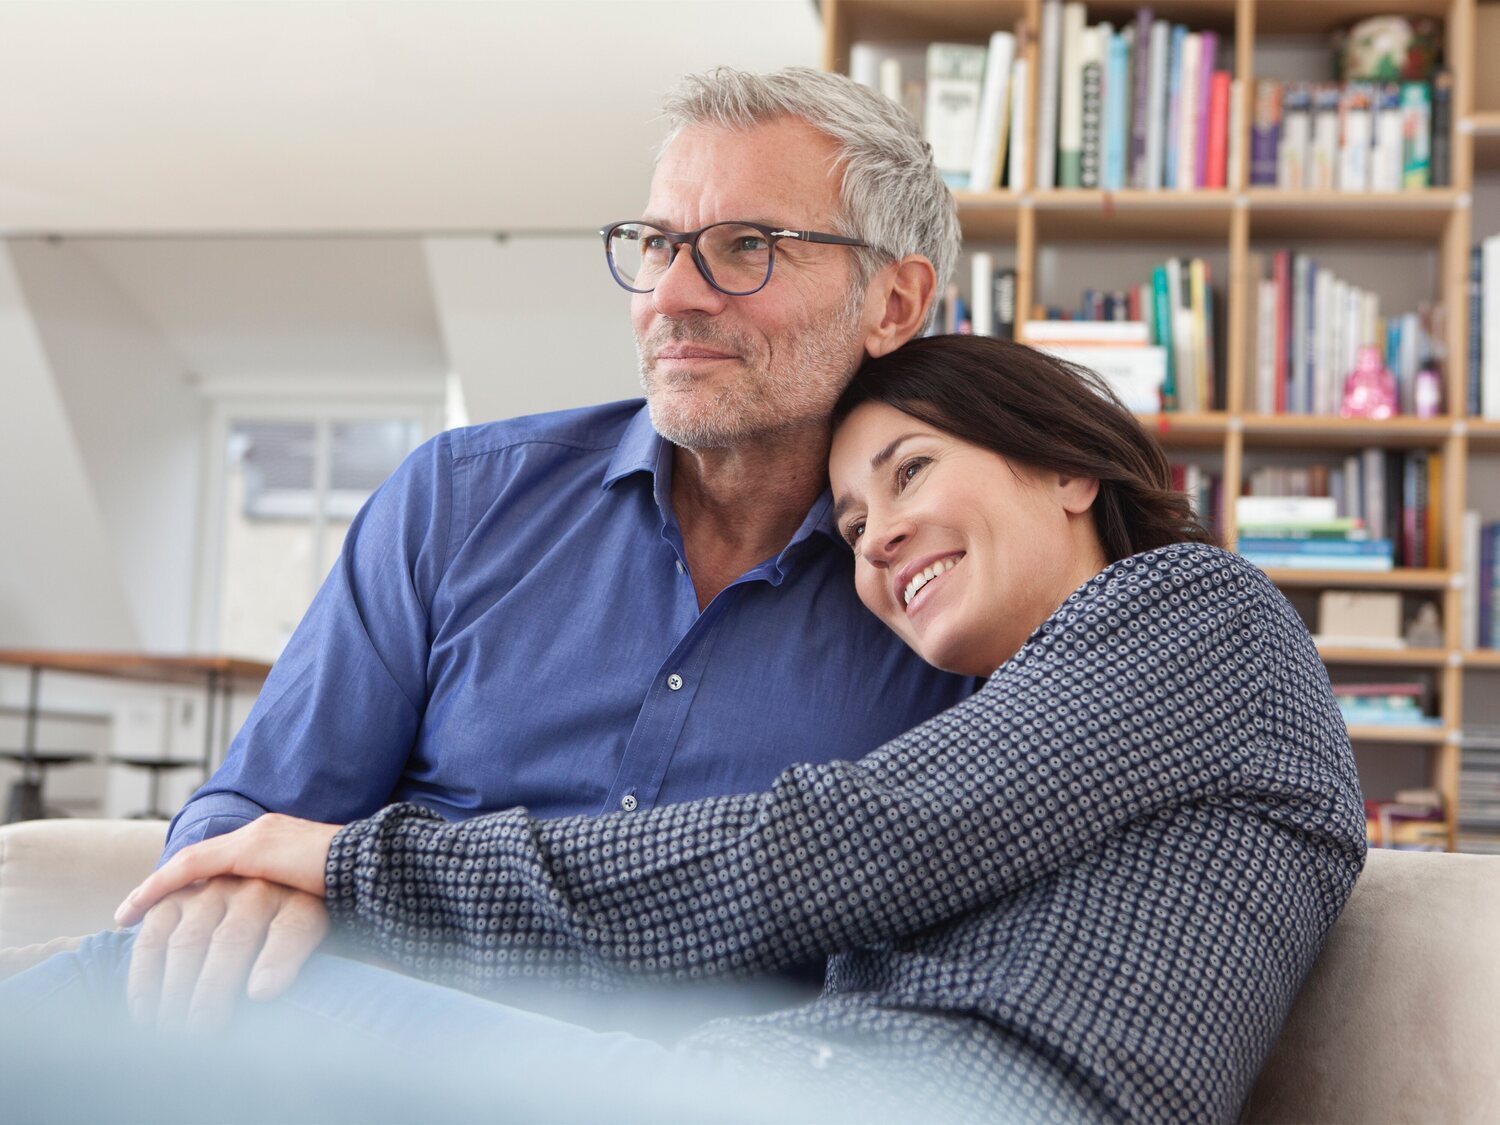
1029 407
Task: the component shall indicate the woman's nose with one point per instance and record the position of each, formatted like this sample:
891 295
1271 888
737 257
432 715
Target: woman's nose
881 542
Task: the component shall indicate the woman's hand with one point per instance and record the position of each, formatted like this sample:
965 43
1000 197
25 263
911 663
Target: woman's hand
281 849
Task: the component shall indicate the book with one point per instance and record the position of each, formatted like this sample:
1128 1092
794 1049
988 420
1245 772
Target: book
1489 355
1187 113
1020 93
1323 147
1004 304
1296 137
1388 124
1474 368
1070 97
1216 173
1416 136
1140 98
1208 42
1135 373
982 293
1116 114
1093 107
955 77
1158 57
1083 333
993 125
1174 104
1441 144
1049 66
1356 113
1265 134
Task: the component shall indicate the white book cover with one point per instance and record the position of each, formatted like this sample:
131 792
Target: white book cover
1265 352
1020 92
1298 391
1472 523
981 293
1354 501
1338 336
1046 109
1156 103
1296 139
1187 115
1352 300
1356 141
1233 173
1135 374
1323 154
1083 332
1372 487
994 114
1279 511
1489 345
1385 168
1070 97
955 73
1324 400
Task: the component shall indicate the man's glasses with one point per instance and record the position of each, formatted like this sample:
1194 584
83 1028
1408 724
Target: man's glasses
734 257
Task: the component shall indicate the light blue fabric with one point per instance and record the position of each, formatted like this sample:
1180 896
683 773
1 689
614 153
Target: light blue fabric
511 624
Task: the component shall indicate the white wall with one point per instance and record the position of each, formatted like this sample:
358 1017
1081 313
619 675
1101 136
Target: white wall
138 425
56 585
532 324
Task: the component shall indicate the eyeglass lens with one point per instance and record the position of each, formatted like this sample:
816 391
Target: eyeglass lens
737 258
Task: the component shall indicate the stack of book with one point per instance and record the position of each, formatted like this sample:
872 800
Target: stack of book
1143 105
1481 588
1351 136
1479 792
1308 329
1172 336
1384 705
991 307
1277 527
971 100
1412 822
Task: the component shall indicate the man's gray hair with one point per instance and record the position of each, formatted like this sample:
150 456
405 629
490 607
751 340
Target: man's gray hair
893 196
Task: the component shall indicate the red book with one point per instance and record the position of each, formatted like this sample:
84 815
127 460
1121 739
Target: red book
1218 130
1281 272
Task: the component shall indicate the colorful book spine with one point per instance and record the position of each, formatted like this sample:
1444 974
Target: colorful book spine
1140 98
1116 114
1092 77
1265 134
1047 87
1208 42
1174 104
1070 97
1476 329
1296 137
1416 136
1218 131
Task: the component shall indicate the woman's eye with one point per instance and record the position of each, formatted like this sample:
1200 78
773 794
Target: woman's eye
909 469
853 532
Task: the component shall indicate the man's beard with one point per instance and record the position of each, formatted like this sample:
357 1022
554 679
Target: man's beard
788 389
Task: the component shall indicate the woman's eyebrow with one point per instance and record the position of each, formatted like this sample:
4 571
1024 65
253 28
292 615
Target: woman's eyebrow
841 504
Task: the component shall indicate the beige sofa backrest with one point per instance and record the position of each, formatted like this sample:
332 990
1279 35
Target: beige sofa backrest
1399 1021
65 877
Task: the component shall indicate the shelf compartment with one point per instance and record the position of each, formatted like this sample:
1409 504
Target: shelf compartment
1187 431
1402 578
1413 216
1398 657
1303 431
1078 215
1406 736
1484 437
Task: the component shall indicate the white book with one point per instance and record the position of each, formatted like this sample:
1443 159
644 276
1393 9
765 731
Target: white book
994 114
1472 522
1354 502
1020 91
1323 155
1298 390
1324 399
1489 346
1131 333
955 74
1265 351
981 293
1386 165
1187 117
1233 174
1135 374
890 80
1337 336
1070 97
1351 319
1046 109
1156 103
1358 136
1372 460
1294 154
1280 511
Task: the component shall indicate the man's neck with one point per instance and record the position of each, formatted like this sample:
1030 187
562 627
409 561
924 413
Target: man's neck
737 507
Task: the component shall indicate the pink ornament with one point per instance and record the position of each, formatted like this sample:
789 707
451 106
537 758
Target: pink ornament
1370 390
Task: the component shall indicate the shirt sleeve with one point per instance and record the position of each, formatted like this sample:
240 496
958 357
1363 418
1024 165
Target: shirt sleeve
304 750
1143 692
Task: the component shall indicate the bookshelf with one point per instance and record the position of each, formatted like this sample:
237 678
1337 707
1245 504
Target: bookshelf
1426 233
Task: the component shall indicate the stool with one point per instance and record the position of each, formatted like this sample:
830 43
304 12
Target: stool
26 795
153 810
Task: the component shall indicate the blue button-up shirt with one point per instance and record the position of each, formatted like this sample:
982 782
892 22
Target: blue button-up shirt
511 623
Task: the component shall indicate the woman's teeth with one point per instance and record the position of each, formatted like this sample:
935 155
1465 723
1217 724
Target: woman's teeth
926 576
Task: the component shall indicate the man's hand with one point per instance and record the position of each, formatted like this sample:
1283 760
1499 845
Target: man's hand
198 947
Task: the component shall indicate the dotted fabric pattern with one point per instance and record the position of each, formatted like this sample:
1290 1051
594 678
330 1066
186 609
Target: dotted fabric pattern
1090 891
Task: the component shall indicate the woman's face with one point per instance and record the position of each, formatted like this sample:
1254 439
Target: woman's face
960 551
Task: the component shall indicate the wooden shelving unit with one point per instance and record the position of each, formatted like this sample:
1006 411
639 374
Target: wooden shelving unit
1232 224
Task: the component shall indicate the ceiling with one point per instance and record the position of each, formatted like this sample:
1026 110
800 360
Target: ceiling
152 116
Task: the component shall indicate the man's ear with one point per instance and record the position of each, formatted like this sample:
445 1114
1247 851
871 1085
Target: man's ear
1077 494
903 292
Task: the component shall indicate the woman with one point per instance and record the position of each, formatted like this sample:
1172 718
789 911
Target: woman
1089 891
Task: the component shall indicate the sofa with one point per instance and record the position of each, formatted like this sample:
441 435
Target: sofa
1399 1021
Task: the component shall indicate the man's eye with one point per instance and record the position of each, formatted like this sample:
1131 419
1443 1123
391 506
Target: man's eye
654 242
751 244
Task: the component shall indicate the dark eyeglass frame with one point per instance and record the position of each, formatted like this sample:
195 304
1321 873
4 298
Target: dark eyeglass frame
690 238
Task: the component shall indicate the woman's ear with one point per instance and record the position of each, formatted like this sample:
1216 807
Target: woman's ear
1077 493
901 294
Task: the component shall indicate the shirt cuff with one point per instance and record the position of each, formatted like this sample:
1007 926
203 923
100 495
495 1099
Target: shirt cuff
209 816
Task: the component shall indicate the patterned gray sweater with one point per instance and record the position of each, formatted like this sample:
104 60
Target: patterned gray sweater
1089 891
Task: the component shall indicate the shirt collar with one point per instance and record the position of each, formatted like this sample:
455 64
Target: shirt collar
643 450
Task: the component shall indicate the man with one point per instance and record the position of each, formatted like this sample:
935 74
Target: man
617 607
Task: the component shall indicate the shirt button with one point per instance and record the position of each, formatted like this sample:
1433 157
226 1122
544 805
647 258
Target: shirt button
674 681
628 802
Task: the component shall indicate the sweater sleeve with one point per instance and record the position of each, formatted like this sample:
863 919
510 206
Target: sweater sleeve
1142 692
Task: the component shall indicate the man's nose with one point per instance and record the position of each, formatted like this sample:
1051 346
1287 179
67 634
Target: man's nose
683 290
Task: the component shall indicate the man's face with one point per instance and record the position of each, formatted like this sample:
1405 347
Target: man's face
718 370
